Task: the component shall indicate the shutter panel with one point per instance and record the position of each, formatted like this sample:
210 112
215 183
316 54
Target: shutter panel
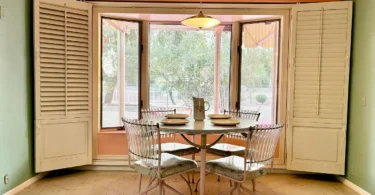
62 34
317 114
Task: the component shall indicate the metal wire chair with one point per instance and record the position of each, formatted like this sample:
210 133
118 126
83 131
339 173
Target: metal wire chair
224 149
174 147
149 160
260 147
148 114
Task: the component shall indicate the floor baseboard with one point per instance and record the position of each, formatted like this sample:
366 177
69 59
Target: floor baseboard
352 185
25 184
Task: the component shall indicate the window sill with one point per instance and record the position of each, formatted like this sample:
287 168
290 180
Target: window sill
111 131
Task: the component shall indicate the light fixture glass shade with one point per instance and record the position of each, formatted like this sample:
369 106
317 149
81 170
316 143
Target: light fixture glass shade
201 21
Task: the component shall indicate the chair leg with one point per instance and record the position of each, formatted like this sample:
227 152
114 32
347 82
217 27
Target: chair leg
230 184
160 187
253 182
187 182
152 179
150 188
171 188
188 176
139 182
230 190
238 189
193 157
196 185
246 190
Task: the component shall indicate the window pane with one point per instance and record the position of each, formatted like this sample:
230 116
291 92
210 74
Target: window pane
182 66
120 71
259 62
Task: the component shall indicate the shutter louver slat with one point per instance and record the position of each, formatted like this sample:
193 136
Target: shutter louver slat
64 61
77 41
54 22
50 36
321 38
79 67
52 42
77 44
51 50
79 26
52 17
77 21
76 13
63 122
52 27
77 53
44 10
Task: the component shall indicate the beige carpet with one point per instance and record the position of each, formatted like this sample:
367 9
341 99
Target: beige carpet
125 183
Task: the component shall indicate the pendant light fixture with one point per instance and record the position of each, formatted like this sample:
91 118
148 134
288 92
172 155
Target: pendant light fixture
201 21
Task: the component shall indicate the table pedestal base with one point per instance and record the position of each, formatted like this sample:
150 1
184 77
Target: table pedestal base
203 171
203 163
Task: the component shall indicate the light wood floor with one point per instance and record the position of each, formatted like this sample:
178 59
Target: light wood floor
125 183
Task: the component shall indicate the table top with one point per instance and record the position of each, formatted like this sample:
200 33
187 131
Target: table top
205 127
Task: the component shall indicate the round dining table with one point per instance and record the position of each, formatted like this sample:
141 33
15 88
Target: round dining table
204 128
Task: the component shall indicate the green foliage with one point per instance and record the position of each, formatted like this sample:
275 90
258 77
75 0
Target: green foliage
110 58
261 98
256 67
183 61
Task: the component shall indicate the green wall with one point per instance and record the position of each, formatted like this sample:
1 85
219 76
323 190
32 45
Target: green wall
16 96
361 129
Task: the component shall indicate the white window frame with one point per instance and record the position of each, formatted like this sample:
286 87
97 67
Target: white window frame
121 76
282 11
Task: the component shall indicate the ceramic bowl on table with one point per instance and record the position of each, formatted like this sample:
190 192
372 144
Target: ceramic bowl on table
225 122
174 121
219 116
176 116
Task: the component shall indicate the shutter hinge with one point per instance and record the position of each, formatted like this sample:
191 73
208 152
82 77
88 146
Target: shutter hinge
292 62
37 129
141 104
141 48
238 49
237 106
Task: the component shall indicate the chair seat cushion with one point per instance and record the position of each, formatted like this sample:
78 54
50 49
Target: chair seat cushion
178 148
233 167
170 165
224 149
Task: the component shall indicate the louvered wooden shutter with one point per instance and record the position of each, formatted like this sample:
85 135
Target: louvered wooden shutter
62 83
317 114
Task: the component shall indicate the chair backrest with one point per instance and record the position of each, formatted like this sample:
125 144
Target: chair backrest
261 144
245 114
142 138
156 112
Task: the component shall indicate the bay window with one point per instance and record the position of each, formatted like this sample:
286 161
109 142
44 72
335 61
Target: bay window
120 71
